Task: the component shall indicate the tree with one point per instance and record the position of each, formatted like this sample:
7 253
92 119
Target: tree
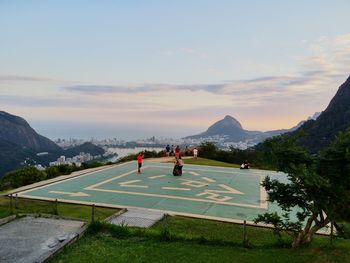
208 150
52 172
24 176
318 187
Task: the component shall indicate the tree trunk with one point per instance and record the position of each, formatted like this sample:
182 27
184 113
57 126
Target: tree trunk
305 236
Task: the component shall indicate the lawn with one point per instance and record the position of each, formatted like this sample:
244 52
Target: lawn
196 240
203 161
45 207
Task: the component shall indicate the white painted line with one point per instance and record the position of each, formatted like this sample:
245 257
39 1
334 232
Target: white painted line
176 188
230 171
229 190
73 178
196 184
208 179
112 179
174 197
215 197
69 193
194 173
157 176
170 212
129 184
134 186
263 196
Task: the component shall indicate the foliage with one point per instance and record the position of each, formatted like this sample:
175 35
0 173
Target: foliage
208 162
30 174
24 176
146 154
236 156
47 207
197 240
318 187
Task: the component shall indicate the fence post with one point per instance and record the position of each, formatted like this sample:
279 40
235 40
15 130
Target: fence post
93 213
11 207
56 207
244 232
16 201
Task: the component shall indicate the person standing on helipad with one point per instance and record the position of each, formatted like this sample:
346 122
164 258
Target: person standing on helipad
177 152
167 150
139 162
195 153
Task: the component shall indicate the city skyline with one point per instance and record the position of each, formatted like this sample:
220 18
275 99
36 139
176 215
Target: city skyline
142 68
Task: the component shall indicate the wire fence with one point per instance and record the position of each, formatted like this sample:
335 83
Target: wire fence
14 205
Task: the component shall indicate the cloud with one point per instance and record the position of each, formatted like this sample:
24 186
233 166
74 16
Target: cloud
22 78
283 98
150 88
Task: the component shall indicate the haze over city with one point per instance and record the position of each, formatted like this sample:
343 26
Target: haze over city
140 68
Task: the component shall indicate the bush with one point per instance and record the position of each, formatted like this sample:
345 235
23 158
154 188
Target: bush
24 176
210 151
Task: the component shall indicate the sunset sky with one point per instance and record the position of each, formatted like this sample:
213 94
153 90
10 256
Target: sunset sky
132 69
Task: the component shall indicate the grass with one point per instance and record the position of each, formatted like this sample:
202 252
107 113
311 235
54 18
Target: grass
146 246
204 161
46 207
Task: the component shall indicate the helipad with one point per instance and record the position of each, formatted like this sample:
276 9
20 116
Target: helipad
226 194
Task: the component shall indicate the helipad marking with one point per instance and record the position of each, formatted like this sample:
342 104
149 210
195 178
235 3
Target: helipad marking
214 197
175 197
130 184
69 193
176 188
263 195
111 179
157 176
229 190
208 179
196 184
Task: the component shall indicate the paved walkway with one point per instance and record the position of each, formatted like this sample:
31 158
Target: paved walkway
34 239
138 217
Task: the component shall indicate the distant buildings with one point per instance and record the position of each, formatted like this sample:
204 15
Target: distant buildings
77 160
221 141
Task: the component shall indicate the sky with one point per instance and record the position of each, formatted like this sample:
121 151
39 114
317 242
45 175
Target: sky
133 69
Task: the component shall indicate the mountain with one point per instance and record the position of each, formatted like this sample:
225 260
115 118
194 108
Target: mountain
16 130
279 132
228 127
317 134
230 130
20 145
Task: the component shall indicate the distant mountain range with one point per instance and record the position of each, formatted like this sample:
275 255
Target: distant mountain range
231 130
20 145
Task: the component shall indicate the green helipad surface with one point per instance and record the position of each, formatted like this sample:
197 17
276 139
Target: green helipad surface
226 194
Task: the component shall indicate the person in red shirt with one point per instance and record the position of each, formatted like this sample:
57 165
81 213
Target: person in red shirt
177 152
139 162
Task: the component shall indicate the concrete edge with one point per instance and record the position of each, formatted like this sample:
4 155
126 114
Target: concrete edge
120 212
7 219
61 178
79 234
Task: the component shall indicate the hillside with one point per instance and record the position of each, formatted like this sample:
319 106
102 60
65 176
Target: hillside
16 130
20 143
317 134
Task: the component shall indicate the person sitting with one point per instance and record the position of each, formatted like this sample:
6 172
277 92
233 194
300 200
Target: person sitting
177 171
245 165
